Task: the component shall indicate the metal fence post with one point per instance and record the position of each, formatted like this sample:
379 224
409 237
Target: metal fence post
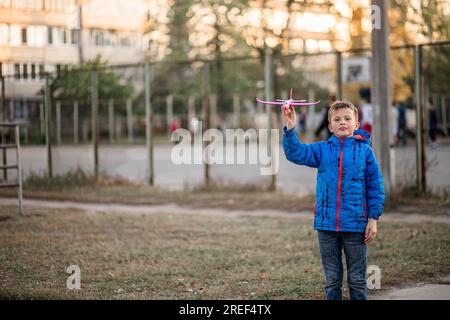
420 130
111 120
48 125
2 98
130 121
207 115
58 123
268 96
148 123
19 170
444 114
339 91
76 124
169 112
94 102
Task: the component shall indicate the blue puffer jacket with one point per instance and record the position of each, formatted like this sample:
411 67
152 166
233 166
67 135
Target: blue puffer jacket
349 187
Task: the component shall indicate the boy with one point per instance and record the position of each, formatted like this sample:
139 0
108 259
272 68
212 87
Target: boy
349 195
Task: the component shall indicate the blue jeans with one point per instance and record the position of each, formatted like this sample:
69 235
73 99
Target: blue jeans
331 245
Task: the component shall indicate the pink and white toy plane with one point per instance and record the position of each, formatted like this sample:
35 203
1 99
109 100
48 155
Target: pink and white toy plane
289 102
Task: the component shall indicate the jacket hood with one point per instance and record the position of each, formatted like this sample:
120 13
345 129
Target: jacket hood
359 135
362 136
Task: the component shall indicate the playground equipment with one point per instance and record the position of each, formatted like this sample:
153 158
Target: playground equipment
17 166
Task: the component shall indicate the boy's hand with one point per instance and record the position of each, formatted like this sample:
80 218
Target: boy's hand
371 231
288 116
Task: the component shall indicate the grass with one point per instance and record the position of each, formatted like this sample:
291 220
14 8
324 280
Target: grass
181 256
79 186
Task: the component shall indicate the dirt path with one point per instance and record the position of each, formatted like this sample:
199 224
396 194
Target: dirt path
176 209
421 291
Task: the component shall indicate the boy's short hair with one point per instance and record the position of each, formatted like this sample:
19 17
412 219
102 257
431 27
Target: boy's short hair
339 104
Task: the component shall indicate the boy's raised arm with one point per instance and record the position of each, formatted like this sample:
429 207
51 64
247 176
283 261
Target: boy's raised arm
374 187
300 153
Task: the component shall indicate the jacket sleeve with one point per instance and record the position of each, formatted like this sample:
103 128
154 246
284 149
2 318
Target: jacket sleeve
300 153
374 187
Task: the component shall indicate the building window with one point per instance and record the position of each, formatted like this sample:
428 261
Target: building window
41 71
4 30
25 71
58 5
49 35
33 71
36 36
17 71
74 36
24 35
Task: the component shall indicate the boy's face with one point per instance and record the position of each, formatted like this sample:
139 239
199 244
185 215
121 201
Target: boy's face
343 123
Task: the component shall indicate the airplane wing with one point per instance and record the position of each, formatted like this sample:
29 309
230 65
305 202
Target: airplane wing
298 100
304 103
270 102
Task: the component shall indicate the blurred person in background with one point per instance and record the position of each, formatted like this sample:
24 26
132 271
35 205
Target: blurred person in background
432 130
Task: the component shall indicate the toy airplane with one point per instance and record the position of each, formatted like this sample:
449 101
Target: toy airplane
289 102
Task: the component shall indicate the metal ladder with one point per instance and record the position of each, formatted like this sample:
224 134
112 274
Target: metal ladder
17 166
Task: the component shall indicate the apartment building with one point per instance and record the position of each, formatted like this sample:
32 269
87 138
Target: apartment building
43 35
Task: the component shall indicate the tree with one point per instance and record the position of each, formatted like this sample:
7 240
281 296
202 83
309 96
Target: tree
74 82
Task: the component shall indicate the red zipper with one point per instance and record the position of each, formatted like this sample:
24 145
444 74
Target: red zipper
365 213
338 206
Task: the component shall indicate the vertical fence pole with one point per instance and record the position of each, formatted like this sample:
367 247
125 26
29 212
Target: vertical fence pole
19 170
420 142
149 124
2 98
268 96
111 120
76 124
213 110
236 111
207 115
339 91
130 121
381 93
169 112
58 123
94 102
3 119
48 125
444 114
41 119
191 110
